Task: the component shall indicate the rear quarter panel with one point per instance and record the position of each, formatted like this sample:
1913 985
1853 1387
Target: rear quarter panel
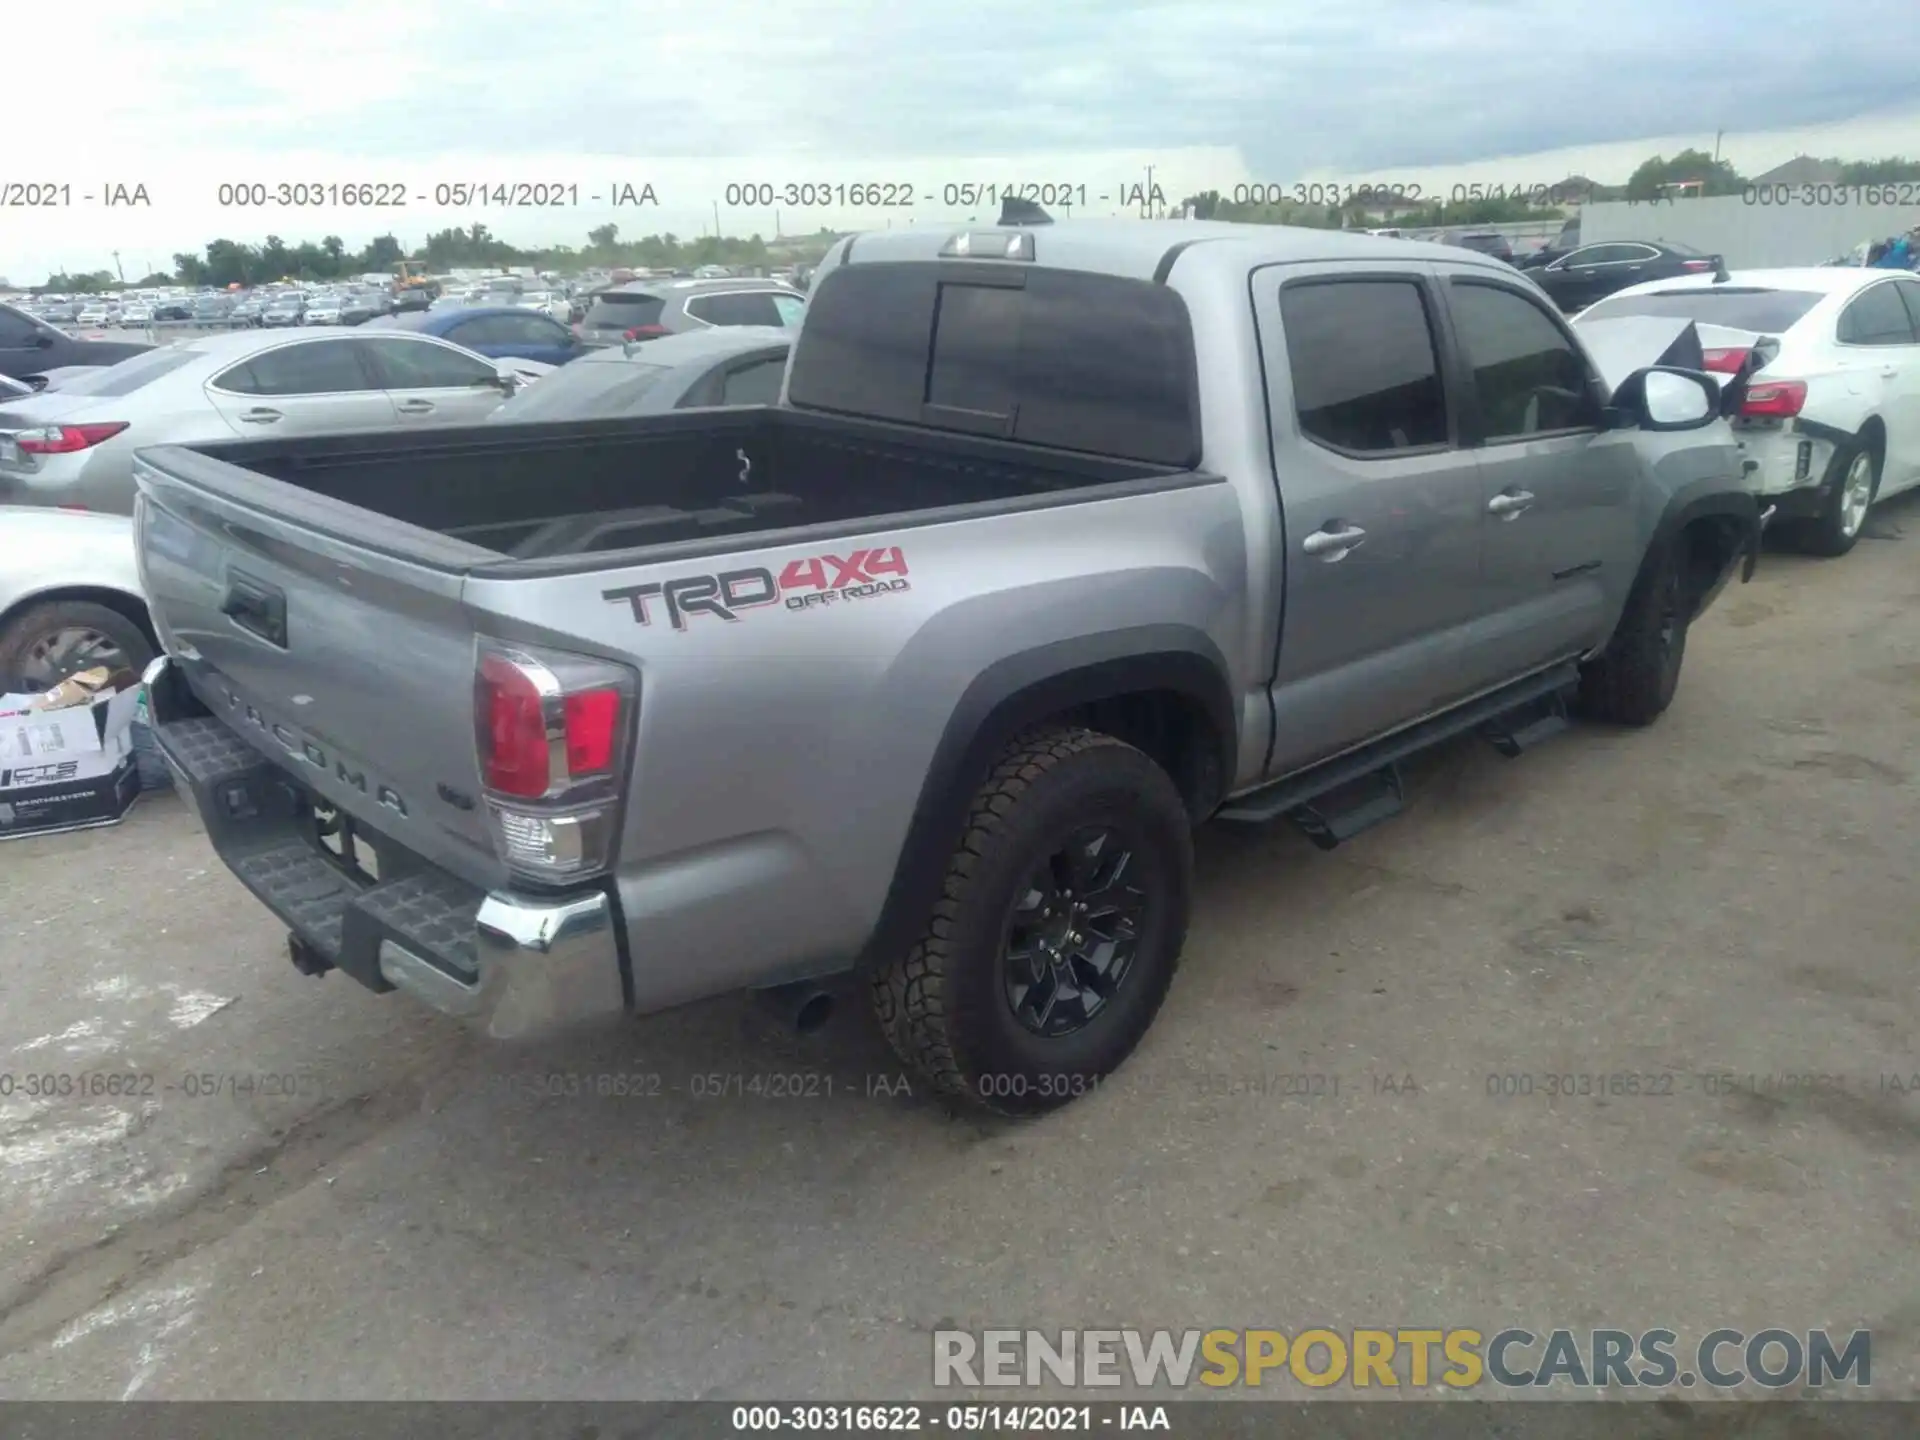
780 754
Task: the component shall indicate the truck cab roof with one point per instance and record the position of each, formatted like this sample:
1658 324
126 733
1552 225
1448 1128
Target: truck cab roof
1146 250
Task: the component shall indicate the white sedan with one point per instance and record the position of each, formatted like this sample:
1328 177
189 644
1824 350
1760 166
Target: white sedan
73 446
1830 358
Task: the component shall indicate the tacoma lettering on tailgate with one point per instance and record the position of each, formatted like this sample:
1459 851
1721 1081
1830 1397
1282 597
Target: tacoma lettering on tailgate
805 584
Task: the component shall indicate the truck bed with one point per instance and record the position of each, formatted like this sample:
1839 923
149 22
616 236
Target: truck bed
570 489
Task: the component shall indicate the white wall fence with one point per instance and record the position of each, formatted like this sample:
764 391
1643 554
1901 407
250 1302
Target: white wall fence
1752 234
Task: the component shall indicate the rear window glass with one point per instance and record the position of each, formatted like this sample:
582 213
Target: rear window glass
1093 363
1743 309
626 309
584 391
129 375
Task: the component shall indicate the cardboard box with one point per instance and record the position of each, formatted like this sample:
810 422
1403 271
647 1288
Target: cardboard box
66 769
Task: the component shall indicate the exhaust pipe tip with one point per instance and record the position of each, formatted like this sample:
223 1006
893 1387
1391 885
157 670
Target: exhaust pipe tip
802 1007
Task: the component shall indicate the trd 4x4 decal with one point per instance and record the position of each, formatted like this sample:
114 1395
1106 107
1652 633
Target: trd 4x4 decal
805 584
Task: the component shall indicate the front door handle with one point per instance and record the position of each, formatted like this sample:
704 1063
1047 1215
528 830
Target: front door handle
260 415
1510 504
415 407
1331 545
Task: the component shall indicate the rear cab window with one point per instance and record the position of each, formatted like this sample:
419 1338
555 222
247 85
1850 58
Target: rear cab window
1097 364
1379 399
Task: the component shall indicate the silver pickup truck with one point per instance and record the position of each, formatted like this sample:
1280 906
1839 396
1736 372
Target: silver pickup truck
1061 540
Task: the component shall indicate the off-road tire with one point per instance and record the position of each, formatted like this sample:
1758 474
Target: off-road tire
1826 534
19 635
1634 679
942 1005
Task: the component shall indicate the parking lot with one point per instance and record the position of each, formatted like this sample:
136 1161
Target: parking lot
318 1192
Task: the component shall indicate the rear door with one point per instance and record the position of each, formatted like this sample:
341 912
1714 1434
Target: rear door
303 387
1555 490
1592 272
1381 504
434 384
529 336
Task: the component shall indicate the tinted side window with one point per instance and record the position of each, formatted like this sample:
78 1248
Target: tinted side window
15 329
1376 396
1529 378
1092 363
317 367
724 309
420 365
1910 293
1876 317
757 384
482 331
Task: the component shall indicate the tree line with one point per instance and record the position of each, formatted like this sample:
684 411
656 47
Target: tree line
230 262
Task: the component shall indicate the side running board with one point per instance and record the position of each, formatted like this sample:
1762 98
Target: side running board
1338 798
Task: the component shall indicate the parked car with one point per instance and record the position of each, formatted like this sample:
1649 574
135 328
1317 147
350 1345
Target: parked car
75 445
30 346
498 331
97 315
1040 642
248 311
139 313
1830 357
69 597
283 311
358 309
647 309
545 302
1593 272
173 309
324 310
722 365
1482 242
1565 243
212 310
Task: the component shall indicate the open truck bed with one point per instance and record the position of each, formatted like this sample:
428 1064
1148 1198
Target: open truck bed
605 487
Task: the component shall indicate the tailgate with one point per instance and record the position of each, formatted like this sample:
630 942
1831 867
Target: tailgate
332 639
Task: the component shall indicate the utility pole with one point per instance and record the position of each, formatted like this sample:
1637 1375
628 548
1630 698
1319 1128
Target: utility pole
1716 145
716 220
116 268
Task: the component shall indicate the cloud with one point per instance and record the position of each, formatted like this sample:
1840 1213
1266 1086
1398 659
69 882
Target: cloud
1300 89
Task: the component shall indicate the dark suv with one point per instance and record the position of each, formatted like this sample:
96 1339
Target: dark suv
1486 242
647 309
30 346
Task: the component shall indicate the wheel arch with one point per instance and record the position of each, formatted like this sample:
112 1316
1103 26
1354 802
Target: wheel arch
129 606
1162 688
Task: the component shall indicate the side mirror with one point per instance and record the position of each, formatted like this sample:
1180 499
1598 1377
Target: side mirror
1662 397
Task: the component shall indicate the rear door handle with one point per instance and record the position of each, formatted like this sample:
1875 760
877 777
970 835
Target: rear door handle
1510 504
415 407
260 415
1331 545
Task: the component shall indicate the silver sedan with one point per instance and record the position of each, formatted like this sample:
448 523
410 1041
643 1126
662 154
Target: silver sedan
73 446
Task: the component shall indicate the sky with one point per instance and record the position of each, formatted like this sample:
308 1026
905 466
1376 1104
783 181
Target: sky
181 96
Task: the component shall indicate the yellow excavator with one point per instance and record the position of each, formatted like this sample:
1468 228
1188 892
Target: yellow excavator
411 275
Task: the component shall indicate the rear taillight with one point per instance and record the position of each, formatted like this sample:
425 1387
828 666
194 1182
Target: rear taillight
1774 399
1696 267
645 332
552 732
66 439
1726 362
